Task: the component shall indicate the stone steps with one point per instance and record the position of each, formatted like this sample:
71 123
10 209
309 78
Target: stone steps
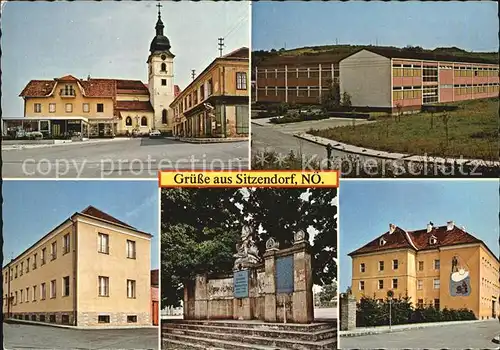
265 332
312 327
184 335
179 342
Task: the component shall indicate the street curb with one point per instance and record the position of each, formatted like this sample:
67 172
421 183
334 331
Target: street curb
72 143
346 148
403 329
214 140
35 323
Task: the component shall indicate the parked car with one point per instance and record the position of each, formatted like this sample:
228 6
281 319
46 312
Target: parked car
155 133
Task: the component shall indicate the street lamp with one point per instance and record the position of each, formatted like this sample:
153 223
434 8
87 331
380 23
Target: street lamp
390 295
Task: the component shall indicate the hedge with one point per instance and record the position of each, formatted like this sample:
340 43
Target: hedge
371 312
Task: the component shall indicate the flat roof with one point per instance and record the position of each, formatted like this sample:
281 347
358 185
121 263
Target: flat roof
46 118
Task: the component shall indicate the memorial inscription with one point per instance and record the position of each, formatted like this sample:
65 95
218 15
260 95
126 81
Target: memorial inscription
241 284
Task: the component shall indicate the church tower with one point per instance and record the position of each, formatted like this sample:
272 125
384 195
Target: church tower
161 78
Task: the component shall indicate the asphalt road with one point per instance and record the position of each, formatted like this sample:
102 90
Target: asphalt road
137 158
19 336
466 336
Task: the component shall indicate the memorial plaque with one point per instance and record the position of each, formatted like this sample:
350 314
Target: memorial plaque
241 284
284 274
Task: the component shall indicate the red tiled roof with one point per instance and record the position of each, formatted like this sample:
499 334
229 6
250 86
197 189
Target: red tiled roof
68 77
154 278
134 106
444 237
94 87
418 240
38 88
135 87
99 87
93 211
242 52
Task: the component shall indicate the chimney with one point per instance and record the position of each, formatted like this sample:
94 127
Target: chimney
88 77
450 225
429 227
392 228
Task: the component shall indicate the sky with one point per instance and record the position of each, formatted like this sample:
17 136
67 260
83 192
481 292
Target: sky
31 209
471 25
110 39
367 207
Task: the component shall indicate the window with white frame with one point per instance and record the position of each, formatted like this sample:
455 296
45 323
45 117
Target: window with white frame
131 289
66 243
362 267
103 243
53 289
361 285
103 286
420 284
53 250
131 249
437 283
43 291
395 264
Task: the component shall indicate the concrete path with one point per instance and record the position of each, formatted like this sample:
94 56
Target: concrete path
21 336
462 335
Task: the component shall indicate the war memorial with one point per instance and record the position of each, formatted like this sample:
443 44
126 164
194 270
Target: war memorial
266 303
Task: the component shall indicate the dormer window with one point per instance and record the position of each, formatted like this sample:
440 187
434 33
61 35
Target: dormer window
382 241
433 240
68 90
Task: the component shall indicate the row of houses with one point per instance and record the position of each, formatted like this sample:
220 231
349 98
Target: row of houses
377 78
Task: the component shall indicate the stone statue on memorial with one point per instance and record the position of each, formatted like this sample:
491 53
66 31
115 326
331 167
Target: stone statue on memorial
247 252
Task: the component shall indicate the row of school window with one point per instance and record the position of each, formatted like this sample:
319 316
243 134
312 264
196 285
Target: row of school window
31 294
395 265
32 261
436 283
408 70
68 108
324 71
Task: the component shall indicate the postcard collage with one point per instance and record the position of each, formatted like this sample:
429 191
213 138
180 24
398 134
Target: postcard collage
254 175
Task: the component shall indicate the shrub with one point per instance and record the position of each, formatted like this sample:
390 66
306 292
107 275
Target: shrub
371 312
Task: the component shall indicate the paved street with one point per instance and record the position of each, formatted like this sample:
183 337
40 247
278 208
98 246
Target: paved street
463 336
19 336
138 158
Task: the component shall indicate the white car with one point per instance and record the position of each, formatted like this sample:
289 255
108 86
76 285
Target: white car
155 133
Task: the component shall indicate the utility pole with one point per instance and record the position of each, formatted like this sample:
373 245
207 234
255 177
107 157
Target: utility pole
221 45
390 295
193 74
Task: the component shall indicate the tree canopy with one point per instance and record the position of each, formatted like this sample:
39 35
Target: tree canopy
201 227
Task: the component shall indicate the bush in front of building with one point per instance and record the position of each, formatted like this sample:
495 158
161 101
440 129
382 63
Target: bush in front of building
372 312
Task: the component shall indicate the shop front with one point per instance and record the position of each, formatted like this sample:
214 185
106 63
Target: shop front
47 128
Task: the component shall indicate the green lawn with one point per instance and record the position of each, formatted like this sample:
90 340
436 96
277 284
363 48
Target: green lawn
472 132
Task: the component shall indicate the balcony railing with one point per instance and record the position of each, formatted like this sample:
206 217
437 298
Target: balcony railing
67 93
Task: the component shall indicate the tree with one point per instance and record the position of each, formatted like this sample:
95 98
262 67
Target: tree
199 229
346 99
280 212
328 292
331 98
